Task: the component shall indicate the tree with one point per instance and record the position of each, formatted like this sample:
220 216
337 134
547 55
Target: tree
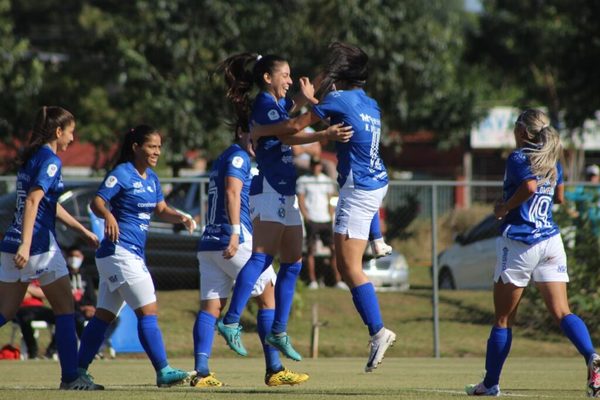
20 81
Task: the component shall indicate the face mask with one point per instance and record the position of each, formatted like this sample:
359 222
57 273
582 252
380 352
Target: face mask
75 262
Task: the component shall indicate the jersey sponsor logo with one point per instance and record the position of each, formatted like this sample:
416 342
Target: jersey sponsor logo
143 205
237 161
144 216
111 181
143 228
52 169
287 159
137 185
273 115
269 144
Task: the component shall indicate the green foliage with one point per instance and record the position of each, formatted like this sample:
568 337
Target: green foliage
583 253
20 79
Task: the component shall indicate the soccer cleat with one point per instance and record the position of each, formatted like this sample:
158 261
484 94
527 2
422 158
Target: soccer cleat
481 390
283 344
206 381
233 337
83 382
171 376
284 377
593 385
380 248
313 285
379 343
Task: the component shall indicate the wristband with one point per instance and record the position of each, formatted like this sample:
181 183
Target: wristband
235 229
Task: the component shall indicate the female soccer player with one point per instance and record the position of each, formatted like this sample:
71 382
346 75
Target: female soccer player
531 247
29 250
361 175
276 217
126 200
223 249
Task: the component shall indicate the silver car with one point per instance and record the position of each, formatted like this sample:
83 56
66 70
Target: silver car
470 261
388 273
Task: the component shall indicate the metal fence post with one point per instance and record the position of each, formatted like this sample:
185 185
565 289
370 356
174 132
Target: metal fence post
434 262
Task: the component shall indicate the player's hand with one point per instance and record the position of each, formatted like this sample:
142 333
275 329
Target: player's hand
234 243
111 228
500 209
22 256
190 224
91 238
339 133
306 88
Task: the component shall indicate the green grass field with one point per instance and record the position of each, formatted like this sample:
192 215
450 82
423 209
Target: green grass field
331 378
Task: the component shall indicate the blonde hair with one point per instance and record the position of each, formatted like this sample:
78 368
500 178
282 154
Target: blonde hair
545 147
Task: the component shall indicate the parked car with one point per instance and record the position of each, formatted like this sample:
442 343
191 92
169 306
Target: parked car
386 273
170 249
470 261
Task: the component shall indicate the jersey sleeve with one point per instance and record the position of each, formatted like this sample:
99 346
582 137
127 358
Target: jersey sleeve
157 188
328 107
266 111
48 173
238 166
559 174
518 168
112 184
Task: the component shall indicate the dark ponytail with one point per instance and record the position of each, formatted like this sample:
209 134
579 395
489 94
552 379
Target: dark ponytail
138 135
47 120
241 71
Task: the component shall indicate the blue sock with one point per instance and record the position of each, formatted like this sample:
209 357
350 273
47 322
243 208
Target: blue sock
152 341
204 333
367 305
575 329
91 340
2 320
244 283
264 323
375 229
284 294
498 347
66 345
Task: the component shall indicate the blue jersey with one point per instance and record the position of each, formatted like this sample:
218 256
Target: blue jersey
42 170
359 164
132 200
531 222
275 160
233 162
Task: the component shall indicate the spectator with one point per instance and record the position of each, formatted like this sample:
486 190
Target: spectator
84 295
587 199
314 193
33 309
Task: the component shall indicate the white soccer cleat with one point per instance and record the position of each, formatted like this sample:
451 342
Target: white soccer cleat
379 343
481 390
593 385
379 248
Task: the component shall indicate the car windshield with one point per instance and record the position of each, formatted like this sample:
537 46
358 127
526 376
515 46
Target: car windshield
486 229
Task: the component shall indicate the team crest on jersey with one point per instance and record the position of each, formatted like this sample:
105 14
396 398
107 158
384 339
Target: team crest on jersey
150 189
111 181
273 115
237 161
52 169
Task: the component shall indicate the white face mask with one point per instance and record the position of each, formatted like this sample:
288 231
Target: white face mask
74 262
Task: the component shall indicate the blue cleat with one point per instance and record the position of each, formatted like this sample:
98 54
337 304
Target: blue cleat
283 343
233 337
169 376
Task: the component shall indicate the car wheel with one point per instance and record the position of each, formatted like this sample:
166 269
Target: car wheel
445 279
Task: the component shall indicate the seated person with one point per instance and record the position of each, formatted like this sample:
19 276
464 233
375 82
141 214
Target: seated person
33 309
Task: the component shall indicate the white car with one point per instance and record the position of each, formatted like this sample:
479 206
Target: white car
387 273
470 261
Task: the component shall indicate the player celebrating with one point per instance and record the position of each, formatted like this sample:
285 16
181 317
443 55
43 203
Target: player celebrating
361 175
133 191
531 247
277 225
224 248
29 250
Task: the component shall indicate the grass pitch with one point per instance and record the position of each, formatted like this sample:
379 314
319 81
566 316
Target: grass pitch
331 378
